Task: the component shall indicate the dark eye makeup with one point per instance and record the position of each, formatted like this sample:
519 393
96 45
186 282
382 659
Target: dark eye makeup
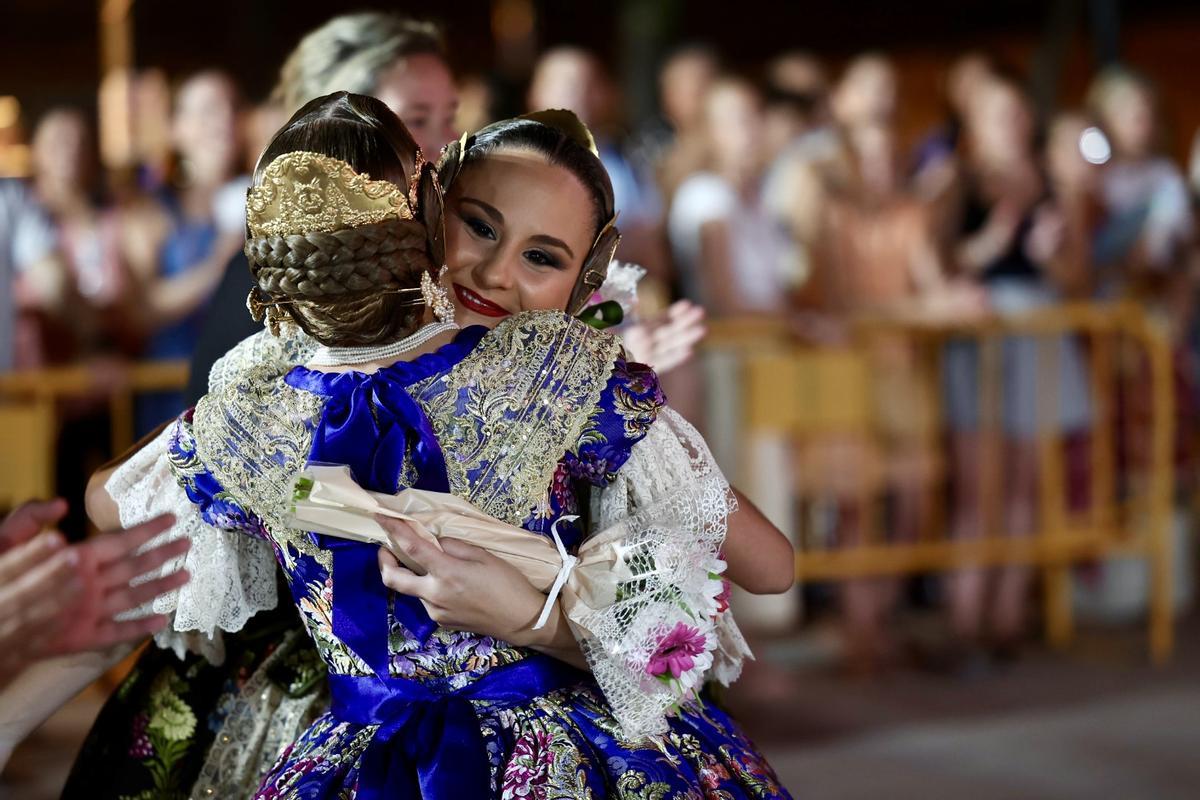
479 227
542 258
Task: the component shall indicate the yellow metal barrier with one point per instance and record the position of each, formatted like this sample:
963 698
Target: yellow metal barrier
814 396
29 416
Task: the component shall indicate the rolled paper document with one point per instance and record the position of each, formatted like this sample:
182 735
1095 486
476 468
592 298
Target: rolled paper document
327 500
629 592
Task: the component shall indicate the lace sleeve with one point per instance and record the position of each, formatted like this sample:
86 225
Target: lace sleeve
667 627
291 347
232 574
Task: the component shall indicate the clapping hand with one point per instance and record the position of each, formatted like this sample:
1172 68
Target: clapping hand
59 598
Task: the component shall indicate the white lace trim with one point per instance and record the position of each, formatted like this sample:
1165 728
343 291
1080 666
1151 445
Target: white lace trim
674 503
232 574
291 347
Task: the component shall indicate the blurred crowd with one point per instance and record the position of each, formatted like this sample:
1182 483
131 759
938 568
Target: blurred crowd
784 191
790 193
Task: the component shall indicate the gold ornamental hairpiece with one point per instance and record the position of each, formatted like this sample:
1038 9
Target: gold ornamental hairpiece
568 123
305 192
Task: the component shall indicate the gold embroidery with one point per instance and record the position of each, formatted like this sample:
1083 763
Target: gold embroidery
509 411
305 192
254 436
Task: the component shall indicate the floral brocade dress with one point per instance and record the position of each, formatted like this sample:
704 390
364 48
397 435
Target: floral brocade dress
536 422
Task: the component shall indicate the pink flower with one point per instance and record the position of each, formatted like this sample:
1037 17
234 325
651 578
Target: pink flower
723 597
677 651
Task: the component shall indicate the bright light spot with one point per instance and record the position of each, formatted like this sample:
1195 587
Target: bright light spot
10 111
1094 146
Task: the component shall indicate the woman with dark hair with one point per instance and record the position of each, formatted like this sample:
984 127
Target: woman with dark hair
126 753
539 418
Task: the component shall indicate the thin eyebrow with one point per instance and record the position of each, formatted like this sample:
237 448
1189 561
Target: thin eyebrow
550 240
488 209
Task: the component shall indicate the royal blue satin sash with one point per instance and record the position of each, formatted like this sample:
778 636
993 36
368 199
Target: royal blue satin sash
371 424
429 745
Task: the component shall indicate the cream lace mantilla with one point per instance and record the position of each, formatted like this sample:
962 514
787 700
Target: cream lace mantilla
508 412
233 575
674 504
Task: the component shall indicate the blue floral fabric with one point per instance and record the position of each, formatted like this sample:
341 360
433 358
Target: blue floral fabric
424 711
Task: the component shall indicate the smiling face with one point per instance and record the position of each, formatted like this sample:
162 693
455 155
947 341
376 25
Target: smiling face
517 231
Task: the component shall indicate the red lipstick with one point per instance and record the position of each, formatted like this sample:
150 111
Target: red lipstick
480 305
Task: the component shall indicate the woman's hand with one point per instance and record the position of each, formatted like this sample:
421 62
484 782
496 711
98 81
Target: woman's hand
465 587
669 339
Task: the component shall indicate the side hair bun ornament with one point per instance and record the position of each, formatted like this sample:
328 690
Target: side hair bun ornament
567 122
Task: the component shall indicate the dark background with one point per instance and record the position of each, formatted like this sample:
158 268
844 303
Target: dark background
49 51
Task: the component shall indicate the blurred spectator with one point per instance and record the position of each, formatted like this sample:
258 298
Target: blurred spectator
389 56
799 134
683 84
726 248
572 78
1010 236
88 316
1142 247
934 157
869 238
871 253
395 58
797 93
180 241
30 271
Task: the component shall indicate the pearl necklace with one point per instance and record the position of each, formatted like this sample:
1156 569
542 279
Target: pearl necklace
337 356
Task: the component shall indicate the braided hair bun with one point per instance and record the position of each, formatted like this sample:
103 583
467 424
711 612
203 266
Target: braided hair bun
355 286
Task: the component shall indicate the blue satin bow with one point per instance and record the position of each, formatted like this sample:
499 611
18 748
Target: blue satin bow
429 745
373 427
371 424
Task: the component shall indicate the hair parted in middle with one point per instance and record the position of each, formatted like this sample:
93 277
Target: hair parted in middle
562 138
357 286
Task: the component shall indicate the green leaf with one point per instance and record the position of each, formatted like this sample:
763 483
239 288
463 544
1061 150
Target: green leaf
603 315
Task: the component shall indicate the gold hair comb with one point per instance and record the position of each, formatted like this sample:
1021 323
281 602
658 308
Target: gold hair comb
304 192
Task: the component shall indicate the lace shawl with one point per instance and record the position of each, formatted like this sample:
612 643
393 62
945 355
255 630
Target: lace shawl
233 575
674 504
